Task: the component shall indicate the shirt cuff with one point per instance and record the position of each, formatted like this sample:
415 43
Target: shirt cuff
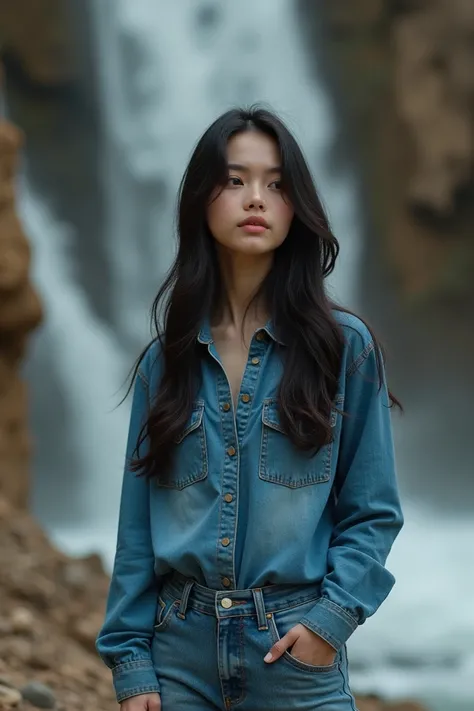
133 678
331 622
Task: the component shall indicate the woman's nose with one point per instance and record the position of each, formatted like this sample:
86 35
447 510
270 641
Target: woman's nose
255 202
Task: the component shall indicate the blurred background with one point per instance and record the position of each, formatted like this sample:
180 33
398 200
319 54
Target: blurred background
111 96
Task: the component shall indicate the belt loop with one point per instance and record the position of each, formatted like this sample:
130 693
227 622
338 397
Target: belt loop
260 608
183 605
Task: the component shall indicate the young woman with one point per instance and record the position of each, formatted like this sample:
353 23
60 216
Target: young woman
259 500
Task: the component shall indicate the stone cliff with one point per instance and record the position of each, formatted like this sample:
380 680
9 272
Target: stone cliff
34 34
20 312
402 76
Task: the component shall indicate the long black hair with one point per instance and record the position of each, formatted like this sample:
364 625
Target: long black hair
293 292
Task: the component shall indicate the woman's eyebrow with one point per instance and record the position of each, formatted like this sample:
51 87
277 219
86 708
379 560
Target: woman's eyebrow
246 169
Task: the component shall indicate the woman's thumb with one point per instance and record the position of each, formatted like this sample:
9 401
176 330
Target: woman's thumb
142 702
153 703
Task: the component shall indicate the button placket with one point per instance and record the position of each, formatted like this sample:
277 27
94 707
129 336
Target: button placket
234 423
249 382
229 482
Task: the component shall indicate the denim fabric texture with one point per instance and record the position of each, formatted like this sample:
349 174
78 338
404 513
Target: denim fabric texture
245 510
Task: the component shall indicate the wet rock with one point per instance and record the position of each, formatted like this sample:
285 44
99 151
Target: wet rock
39 695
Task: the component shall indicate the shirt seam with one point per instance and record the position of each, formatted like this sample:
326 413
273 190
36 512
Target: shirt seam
360 359
143 377
338 610
136 690
133 664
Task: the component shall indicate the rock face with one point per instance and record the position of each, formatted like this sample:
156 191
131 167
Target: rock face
434 92
35 34
51 610
402 72
20 312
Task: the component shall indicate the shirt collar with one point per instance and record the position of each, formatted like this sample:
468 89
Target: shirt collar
205 334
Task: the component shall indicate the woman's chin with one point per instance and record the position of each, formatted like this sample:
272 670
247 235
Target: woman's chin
252 244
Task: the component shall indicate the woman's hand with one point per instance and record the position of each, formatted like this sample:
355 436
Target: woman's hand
305 645
142 702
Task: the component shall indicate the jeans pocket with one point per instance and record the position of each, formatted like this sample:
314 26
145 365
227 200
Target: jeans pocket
190 464
166 607
280 624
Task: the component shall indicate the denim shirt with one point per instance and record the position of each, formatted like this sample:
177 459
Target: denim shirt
245 508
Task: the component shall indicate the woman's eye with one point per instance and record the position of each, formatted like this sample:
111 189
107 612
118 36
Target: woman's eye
234 181
276 185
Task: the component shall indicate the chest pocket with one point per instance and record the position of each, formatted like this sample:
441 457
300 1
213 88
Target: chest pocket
190 457
282 463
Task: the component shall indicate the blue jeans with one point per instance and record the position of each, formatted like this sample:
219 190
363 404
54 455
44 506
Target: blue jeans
209 646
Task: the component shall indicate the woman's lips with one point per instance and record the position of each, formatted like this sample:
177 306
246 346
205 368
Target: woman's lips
253 229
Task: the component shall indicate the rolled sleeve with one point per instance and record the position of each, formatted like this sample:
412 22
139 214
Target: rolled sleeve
330 622
134 678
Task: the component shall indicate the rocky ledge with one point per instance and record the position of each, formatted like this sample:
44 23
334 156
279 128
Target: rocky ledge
51 609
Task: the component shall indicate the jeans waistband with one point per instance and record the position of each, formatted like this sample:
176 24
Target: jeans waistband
261 601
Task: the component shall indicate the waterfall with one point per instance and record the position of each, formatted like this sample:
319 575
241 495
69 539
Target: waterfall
81 366
161 88
166 70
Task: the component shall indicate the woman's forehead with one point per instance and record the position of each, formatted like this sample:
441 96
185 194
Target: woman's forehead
254 149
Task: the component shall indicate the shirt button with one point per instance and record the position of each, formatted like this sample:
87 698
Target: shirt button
226 603
231 451
226 407
245 398
225 542
226 582
255 361
228 498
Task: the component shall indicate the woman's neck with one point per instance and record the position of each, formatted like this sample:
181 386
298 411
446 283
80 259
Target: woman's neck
242 276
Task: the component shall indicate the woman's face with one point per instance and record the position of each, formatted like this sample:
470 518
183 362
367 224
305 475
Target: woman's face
252 193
